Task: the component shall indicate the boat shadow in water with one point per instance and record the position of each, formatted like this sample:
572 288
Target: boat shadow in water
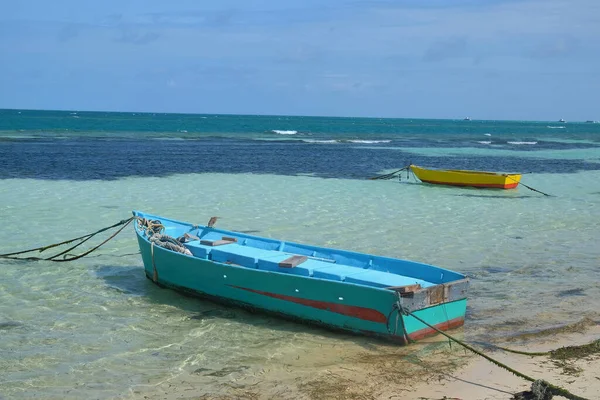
502 194
132 281
495 196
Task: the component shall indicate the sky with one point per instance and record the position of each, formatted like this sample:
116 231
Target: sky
497 59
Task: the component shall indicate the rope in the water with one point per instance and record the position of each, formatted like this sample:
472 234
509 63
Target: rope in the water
555 390
82 240
392 175
528 187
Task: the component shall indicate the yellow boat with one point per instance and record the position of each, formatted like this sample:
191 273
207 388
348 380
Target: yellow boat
456 177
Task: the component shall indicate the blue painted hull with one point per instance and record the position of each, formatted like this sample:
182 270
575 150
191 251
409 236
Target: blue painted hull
334 304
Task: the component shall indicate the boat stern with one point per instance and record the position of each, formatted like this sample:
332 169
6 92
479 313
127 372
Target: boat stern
442 307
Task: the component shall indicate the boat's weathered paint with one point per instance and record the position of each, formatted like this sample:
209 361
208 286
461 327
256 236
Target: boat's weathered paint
334 304
479 179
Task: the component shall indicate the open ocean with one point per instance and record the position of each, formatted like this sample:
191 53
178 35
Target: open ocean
96 328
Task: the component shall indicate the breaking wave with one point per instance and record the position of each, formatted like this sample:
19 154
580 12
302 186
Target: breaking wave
367 141
359 141
522 142
555 127
320 141
281 132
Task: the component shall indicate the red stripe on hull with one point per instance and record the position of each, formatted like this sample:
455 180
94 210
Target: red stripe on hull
367 314
480 185
444 326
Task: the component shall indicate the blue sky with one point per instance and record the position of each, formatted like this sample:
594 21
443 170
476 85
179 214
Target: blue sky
534 60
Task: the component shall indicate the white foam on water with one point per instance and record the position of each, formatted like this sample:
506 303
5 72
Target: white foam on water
100 322
176 139
555 127
320 141
484 142
518 143
282 132
368 141
487 134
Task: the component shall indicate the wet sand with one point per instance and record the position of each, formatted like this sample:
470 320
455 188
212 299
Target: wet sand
428 370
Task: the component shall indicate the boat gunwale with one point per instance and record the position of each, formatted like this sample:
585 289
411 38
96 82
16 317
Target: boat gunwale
465 171
314 247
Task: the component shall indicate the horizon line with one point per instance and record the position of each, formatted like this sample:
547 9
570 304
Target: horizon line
287 115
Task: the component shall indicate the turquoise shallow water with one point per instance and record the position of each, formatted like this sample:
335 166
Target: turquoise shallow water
97 328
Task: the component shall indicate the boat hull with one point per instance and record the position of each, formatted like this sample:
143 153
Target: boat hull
339 306
478 179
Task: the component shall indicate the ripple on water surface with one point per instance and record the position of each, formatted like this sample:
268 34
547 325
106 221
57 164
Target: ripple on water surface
97 327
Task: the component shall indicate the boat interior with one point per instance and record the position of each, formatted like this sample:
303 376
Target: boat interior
234 248
465 171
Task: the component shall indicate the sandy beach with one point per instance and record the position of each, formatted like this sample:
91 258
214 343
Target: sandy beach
479 379
429 370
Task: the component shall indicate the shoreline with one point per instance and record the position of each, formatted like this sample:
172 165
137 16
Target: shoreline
427 370
480 379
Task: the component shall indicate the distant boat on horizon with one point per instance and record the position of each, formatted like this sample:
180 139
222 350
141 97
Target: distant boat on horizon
561 120
591 121
467 119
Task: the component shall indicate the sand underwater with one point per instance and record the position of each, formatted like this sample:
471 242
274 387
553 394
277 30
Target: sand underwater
97 328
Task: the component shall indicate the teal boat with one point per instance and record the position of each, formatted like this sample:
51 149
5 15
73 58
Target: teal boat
338 289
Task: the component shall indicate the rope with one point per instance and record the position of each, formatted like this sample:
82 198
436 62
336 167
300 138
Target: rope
525 353
528 187
169 242
390 175
555 390
154 271
82 239
93 248
43 248
556 353
150 226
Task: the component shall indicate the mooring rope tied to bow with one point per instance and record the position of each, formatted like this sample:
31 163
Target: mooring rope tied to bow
82 240
528 187
392 175
152 228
